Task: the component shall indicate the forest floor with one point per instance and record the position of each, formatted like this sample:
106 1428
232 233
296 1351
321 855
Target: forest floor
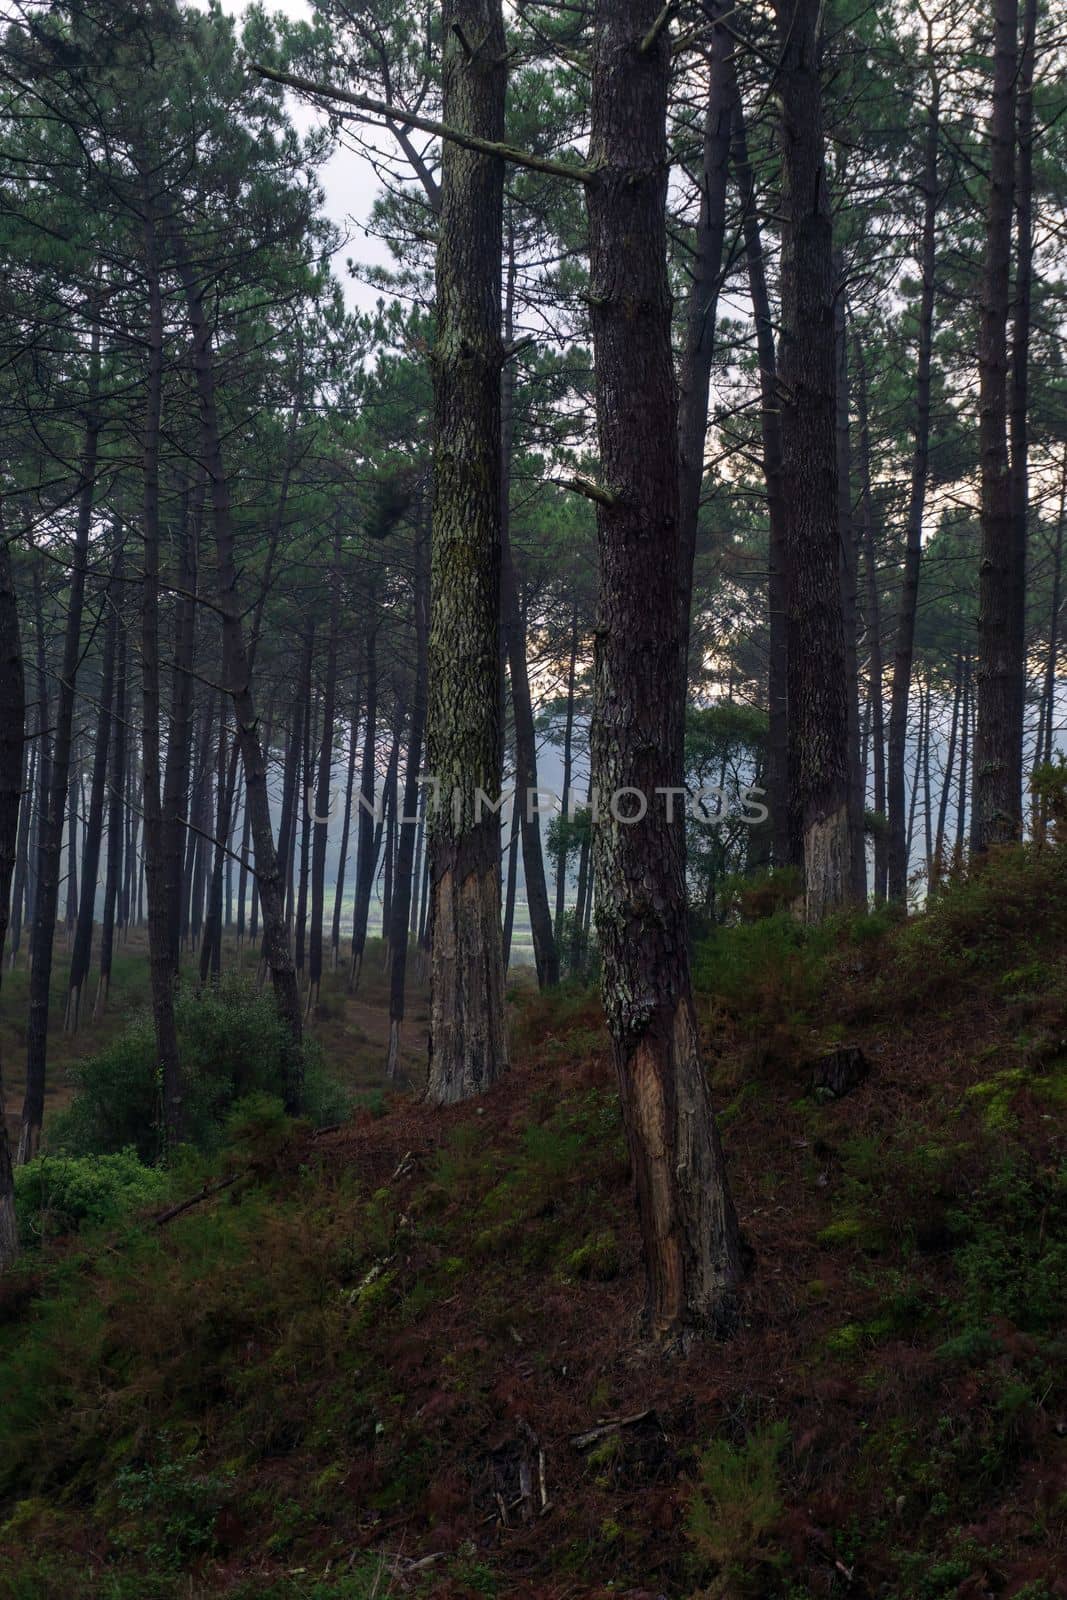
405 1356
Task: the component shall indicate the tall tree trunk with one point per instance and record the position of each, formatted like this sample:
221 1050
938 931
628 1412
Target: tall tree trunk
227 759
290 809
849 600
22 846
51 823
920 738
322 799
950 762
875 669
903 649
511 891
161 968
405 858
307 769
346 829
787 843
817 683
468 1038
73 817
12 758
546 956
81 955
238 679
116 794
568 747
180 733
1044 753
688 1226
999 678
966 722
699 347
1018 420
366 856
927 811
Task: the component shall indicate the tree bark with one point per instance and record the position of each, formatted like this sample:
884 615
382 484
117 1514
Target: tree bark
904 646
1000 674
468 1038
699 347
787 846
12 758
689 1229
325 773
180 733
51 823
405 856
950 762
346 828
849 599
875 668
568 747
817 681
238 680
116 794
366 855
81 954
967 719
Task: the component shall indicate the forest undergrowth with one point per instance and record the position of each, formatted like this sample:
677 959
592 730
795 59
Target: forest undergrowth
403 1355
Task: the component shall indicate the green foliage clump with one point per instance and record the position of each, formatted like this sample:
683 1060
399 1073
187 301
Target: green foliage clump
233 1046
1014 1260
61 1194
173 1506
773 965
733 1509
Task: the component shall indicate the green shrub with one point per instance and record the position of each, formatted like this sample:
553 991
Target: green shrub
734 1506
233 1046
58 1194
1014 1261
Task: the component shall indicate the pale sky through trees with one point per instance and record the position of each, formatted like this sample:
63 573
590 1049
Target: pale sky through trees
347 179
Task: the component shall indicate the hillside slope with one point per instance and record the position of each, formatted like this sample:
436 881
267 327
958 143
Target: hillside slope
405 1356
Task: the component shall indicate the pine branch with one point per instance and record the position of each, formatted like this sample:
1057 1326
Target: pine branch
410 119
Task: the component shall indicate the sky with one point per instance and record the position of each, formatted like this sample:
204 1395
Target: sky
347 178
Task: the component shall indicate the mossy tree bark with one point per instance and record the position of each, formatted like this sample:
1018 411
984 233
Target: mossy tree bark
468 1040
817 682
688 1225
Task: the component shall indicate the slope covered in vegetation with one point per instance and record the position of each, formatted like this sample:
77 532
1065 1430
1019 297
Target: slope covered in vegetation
404 1356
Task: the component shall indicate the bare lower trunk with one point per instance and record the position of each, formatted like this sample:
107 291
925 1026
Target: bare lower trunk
688 1226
